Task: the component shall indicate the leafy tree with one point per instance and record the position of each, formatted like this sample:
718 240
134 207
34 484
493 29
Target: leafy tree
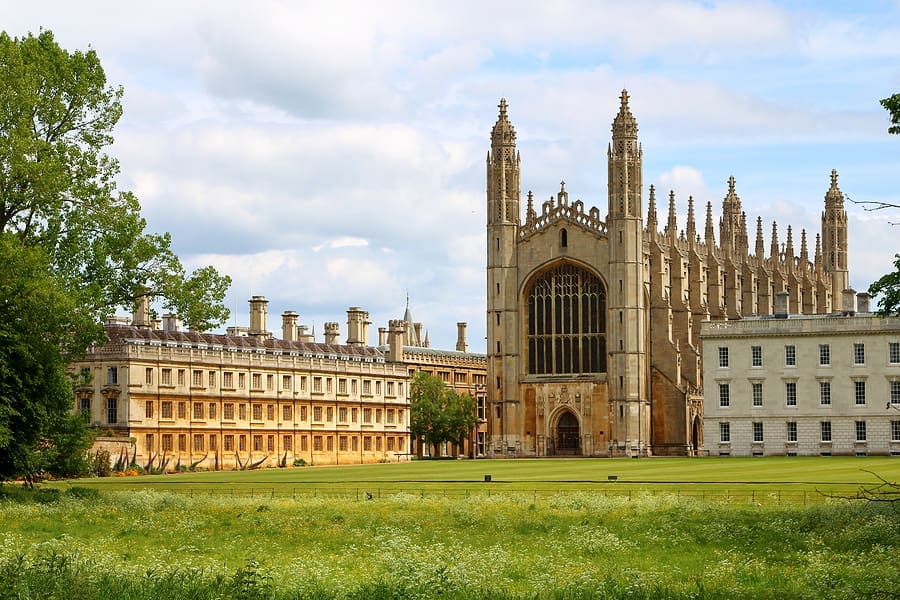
888 287
72 246
892 105
437 413
58 190
40 327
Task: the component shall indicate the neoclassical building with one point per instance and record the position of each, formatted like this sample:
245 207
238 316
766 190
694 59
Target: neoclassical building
803 385
171 398
593 337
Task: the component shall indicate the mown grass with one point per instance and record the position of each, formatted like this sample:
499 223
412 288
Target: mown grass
147 544
789 479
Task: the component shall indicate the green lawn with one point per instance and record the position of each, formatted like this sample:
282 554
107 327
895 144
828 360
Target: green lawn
739 478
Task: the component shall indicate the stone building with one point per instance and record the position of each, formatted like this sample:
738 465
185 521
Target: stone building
182 398
803 384
593 337
246 397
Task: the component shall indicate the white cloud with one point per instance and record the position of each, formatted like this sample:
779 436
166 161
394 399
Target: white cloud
341 242
329 154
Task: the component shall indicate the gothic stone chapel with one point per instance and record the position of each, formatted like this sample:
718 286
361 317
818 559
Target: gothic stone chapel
593 344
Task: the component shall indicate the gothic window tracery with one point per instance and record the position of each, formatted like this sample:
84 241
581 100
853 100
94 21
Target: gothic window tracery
566 309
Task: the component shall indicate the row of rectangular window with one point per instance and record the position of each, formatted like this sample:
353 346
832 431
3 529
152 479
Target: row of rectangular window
202 411
112 378
228 412
791 431
790 393
202 442
790 355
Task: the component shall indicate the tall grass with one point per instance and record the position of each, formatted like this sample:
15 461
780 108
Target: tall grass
577 545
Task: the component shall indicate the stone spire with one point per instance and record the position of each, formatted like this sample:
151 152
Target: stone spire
818 254
530 215
652 223
672 221
773 250
625 165
503 171
834 238
760 246
691 222
804 251
745 243
710 232
730 224
789 246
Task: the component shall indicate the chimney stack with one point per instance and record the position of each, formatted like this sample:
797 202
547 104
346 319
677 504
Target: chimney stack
357 326
304 335
258 315
781 305
461 344
862 302
141 317
396 330
171 322
331 333
848 304
289 326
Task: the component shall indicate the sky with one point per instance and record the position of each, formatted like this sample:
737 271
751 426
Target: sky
331 154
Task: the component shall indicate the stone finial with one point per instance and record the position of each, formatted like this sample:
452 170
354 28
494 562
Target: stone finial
503 133
691 223
744 237
529 213
773 248
789 247
731 185
710 232
804 252
651 210
834 197
624 125
671 220
562 197
760 246
818 251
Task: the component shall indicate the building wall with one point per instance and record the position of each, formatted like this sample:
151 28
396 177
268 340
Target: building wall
193 398
859 358
662 279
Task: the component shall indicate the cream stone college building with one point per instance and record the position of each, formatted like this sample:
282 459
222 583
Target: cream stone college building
803 385
175 399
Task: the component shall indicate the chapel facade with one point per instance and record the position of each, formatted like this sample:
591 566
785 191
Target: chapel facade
593 336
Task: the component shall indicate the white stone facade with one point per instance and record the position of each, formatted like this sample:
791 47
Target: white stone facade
810 385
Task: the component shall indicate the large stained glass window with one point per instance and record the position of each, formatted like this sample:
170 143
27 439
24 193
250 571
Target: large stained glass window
566 322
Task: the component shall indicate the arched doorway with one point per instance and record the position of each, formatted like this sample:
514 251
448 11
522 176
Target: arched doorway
568 435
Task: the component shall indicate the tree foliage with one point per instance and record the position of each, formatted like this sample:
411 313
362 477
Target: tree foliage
73 248
437 413
892 105
58 189
888 288
40 326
